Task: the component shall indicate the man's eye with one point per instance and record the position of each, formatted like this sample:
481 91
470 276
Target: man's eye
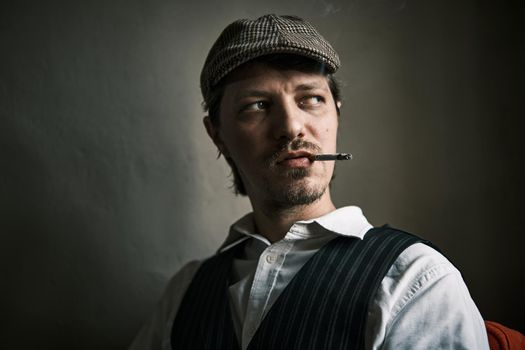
311 101
256 106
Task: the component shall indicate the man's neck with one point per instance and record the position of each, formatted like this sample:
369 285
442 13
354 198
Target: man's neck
274 223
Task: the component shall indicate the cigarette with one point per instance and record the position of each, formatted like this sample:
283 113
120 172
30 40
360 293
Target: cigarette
337 156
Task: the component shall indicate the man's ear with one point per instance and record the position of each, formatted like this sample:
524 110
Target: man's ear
213 133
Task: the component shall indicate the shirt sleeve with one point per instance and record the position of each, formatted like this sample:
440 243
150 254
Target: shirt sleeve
156 332
423 303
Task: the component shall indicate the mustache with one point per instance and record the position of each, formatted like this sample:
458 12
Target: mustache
293 145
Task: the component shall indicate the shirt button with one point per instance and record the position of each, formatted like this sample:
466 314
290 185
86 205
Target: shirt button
270 258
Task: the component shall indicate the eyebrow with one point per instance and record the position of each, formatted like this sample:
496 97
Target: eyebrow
263 93
311 86
252 93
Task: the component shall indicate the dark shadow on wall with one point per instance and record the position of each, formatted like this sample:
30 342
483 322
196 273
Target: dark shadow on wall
95 205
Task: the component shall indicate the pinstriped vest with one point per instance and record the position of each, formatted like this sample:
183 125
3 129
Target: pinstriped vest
323 307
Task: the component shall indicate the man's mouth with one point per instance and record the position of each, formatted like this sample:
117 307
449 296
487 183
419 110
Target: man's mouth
295 159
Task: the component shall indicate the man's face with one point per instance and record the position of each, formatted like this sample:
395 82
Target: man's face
271 122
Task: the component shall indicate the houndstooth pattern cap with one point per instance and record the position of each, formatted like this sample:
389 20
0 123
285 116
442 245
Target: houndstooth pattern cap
244 40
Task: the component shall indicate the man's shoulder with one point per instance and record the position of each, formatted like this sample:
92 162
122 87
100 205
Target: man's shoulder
420 253
421 259
419 268
418 260
422 288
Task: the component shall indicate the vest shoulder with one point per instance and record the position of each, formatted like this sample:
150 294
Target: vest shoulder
388 231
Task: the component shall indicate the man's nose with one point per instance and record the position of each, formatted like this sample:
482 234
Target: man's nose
289 121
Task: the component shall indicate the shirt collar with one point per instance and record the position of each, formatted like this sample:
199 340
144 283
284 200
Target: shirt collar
346 221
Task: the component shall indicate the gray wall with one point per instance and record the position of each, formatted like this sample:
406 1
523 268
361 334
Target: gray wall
108 183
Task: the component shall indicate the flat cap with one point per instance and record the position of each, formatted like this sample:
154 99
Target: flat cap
245 40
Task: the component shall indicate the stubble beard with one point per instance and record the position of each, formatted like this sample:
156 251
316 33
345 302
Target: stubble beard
291 188
293 191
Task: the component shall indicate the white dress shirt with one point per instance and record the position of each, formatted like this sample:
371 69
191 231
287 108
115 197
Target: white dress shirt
422 303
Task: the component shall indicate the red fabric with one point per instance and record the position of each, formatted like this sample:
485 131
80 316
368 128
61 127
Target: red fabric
503 338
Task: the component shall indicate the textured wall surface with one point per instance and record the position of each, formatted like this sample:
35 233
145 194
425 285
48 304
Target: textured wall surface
108 183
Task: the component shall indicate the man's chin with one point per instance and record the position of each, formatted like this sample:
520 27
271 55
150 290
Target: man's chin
296 173
299 192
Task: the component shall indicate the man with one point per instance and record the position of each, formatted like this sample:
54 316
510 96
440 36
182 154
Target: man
297 272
